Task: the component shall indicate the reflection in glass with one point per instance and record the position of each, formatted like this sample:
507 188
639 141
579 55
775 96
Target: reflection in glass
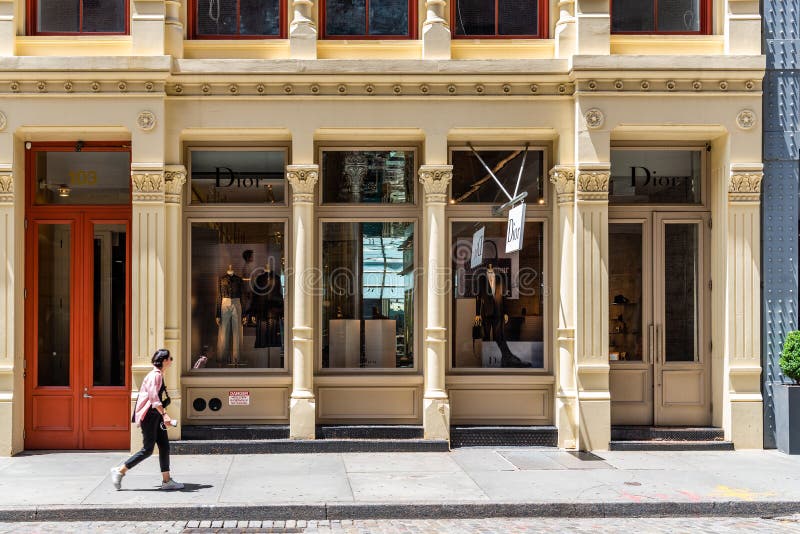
678 15
625 292
110 251
368 176
238 176
53 293
368 295
238 294
680 292
472 184
632 16
83 177
655 176
498 304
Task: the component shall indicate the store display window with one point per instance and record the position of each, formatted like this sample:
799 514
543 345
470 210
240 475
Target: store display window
472 182
82 175
236 18
499 301
238 295
369 176
655 176
237 176
368 295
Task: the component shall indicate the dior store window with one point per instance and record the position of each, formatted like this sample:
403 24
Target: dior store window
498 313
368 260
237 266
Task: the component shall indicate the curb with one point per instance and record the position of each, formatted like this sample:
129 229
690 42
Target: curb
410 510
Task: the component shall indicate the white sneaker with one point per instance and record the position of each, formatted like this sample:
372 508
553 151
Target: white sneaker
116 478
171 485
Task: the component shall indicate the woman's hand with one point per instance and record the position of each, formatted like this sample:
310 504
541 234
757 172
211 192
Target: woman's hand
166 417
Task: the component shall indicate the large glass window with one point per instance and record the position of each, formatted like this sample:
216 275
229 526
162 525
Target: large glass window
238 292
228 176
368 294
80 16
498 303
499 18
473 183
367 18
368 176
82 176
655 176
236 18
658 16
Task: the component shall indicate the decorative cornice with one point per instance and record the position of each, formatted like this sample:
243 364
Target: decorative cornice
563 178
666 85
435 179
174 178
60 86
592 184
6 188
745 186
148 185
303 179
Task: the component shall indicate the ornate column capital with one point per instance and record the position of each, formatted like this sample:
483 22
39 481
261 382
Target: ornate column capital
174 178
592 184
745 184
6 185
303 179
434 180
148 182
563 178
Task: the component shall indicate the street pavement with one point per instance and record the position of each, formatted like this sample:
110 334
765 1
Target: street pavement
465 483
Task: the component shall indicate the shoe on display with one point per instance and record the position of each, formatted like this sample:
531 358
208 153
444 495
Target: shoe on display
171 485
116 478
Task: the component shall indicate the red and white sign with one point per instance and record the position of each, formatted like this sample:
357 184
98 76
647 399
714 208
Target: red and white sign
239 398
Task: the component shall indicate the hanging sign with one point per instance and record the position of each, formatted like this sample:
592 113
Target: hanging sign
516 224
477 248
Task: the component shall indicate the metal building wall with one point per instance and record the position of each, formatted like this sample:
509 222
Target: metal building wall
781 126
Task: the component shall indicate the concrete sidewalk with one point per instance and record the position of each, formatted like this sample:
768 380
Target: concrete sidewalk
469 482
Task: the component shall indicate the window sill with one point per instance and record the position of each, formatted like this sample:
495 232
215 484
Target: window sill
73 45
503 48
668 44
369 49
236 49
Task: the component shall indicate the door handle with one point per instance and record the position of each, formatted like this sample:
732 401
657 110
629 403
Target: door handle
651 343
86 393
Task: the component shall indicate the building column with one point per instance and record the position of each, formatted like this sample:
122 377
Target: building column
302 31
147 27
743 411
303 406
147 273
10 429
743 27
592 27
566 401
174 280
8 28
173 31
435 403
565 31
435 32
591 307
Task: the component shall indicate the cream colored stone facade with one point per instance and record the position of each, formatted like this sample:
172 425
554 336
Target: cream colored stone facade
578 94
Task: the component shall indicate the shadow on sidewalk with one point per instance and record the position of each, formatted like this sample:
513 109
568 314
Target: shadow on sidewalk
188 487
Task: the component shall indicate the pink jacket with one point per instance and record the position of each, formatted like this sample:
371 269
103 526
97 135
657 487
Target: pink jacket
148 395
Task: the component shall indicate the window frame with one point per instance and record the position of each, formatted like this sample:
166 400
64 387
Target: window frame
543 26
706 15
32 11
194 35
412 26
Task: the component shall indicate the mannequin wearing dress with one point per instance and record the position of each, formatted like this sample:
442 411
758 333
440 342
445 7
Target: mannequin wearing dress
266 309
229 317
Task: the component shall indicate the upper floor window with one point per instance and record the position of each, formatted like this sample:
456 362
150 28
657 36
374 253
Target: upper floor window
499 18
79 16
236 18
386 19
660 16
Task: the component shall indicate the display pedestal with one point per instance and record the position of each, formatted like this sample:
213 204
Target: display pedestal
380 343
344 343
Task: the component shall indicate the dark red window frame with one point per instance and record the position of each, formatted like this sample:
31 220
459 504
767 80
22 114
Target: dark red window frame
705 21
191 14
32 10
412 26
543 14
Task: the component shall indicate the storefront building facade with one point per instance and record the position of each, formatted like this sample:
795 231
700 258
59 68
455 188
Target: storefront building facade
287 199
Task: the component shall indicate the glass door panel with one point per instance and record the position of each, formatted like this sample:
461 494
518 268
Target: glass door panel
625 284
53 304
680 292
109 304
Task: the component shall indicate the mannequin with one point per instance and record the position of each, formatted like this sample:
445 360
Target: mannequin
229 316
490 311
266 308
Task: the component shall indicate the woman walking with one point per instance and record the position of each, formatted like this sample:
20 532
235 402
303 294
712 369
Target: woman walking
151 416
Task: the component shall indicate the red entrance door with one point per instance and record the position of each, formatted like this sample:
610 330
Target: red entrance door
77 327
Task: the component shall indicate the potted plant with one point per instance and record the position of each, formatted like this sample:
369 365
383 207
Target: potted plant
787 397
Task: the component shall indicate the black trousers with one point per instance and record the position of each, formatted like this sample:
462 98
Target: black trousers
153 434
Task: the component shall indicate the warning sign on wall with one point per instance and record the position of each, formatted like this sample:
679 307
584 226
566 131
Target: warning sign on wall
239 398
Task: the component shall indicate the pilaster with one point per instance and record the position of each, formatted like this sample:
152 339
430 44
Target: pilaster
8 382
8 28
435 31
303 406
592 27
147 27
566 401
743 416
435 403
742 27
302 31
591 307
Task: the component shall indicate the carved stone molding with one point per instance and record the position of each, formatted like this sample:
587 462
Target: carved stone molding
592 184
303 179
146 121
6 188
745 186
594 118
434 180
563 178
148 185
746 119
174 178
